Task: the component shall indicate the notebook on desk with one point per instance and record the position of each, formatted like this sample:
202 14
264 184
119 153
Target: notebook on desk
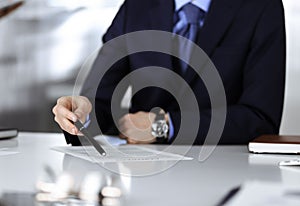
275 144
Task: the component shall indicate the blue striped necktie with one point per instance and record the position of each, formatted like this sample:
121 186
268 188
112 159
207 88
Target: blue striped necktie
190 20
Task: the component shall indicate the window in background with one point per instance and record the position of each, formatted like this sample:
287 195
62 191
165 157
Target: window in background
43 45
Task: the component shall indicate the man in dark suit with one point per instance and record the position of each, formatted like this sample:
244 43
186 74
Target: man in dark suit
245 39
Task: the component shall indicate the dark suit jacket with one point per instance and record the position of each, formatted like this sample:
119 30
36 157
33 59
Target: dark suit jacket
245 39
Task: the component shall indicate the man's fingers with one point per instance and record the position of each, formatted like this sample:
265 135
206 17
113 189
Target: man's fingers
65 101
131 141
69 109
66 125
63 116
136 128
81 105
127 122
62 112
122 136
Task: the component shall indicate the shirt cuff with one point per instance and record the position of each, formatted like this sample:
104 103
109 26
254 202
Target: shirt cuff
171 128
87 121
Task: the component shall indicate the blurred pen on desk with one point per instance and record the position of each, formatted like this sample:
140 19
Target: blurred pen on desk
6 7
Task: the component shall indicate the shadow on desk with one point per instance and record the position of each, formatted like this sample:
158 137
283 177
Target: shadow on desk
9 143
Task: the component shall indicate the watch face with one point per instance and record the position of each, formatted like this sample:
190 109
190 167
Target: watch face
160 128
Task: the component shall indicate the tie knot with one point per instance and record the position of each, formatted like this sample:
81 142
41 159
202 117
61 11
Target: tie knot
193 13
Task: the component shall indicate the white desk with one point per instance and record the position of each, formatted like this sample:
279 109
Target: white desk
186 183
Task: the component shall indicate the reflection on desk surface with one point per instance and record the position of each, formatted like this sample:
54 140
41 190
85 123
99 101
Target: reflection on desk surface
8 143
269 159
9 146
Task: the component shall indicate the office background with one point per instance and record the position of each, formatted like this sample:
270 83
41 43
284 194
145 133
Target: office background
45 42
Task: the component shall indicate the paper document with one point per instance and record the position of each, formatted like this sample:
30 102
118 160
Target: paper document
125 153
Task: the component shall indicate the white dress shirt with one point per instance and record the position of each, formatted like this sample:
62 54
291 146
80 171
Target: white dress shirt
202 4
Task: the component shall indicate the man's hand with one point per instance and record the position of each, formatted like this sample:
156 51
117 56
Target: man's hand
71 108
136 128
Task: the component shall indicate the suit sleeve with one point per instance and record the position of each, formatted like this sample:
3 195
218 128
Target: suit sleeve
101 113
259 108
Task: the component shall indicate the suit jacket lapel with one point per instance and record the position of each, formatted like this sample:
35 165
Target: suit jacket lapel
161 15
217 21
161 18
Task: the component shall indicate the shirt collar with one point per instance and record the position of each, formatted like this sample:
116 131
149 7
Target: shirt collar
202 4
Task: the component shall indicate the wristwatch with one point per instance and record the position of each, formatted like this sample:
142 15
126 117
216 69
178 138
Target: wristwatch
160 128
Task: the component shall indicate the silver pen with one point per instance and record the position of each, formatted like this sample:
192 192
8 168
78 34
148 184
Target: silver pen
84 131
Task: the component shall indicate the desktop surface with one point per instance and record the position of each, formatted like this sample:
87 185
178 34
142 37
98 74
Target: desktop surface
185 183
